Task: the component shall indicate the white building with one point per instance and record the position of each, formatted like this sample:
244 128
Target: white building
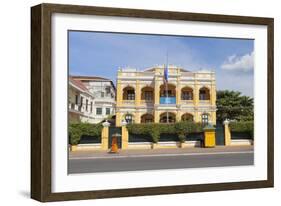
103 91
80 102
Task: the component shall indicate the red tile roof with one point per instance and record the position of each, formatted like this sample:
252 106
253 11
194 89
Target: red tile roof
78 83
90 78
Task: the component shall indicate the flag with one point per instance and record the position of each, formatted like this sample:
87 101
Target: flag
166 75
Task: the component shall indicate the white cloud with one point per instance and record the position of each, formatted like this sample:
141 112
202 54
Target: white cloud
241 83
243 63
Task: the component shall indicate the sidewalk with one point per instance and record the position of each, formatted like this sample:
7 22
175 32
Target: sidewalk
161 152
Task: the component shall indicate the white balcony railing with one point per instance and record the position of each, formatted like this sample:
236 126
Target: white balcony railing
75 107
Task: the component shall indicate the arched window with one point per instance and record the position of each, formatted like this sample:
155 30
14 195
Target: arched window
168 94
187 93
204 93
147 94
167 90
147 118
187 117
128 93
167 117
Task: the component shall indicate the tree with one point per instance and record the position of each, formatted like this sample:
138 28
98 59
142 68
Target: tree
231 105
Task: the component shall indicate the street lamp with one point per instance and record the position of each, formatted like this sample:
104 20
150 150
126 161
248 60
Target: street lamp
124 122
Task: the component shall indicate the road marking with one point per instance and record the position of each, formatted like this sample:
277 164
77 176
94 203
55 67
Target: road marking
159 155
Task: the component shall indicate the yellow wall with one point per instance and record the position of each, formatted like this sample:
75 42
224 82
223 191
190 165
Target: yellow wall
137 108
156 116
137 117
213 94
178 116
156 92
125 137
138 93
119 94
104 138
227 135
118 119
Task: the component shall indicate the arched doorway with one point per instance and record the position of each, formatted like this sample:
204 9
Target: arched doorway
167 117
187 117
147 118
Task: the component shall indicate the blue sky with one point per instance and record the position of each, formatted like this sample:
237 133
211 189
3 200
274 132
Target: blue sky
101 54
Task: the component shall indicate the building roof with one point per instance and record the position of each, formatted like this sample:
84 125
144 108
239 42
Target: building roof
152 69
78 84
92 78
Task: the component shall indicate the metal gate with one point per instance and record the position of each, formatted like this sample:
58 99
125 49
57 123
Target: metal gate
220 134
113 130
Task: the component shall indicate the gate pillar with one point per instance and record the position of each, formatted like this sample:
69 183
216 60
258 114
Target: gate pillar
105 135
227 134
125 135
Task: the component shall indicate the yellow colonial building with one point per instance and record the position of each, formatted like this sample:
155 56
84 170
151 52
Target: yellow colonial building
143 97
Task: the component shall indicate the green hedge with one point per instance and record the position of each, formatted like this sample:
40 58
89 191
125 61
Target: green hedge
154 130
77 130
243 126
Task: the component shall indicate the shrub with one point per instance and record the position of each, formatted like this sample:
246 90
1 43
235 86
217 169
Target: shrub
166 128
139 128
155 134
243 126
74 135
181 130
77 130
181 137
151 130
154 130
186 127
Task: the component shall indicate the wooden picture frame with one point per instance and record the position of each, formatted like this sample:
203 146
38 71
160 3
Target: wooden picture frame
41 96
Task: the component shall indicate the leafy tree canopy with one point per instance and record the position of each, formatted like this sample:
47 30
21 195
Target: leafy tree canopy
232 105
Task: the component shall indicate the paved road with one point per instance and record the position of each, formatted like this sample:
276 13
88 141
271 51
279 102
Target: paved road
152 162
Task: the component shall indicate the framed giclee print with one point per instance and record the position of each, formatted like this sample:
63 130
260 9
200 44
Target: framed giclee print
132 102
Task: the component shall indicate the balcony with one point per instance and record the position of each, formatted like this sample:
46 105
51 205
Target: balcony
146 102
167 100
130 102
186 101
75 108
204 102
